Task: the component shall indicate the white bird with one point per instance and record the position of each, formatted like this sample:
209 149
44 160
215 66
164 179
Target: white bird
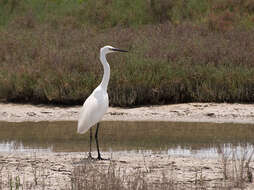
97 103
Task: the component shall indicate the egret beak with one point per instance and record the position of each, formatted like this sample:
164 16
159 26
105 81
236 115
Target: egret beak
115 49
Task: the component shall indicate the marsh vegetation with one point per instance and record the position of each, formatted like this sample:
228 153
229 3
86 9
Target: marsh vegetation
179 51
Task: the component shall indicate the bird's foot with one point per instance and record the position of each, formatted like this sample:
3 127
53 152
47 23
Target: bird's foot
100 158
90 157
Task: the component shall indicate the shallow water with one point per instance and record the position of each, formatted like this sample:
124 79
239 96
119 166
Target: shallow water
201 139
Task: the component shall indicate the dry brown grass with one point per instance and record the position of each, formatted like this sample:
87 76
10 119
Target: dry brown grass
90 175
236 166
166 64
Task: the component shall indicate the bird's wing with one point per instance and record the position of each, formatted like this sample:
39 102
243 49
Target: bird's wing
91 113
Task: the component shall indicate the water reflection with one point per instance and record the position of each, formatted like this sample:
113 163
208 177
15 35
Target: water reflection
201 139
19 147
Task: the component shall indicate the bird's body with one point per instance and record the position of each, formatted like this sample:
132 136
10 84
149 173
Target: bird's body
93 110
97 103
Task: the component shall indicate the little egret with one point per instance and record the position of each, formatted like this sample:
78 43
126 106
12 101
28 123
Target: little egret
96 104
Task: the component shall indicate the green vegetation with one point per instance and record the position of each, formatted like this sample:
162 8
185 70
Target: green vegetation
180 51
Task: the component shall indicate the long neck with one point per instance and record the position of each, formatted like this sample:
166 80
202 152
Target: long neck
106 75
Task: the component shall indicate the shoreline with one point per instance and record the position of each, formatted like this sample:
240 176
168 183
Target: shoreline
188 112
57 170
59 167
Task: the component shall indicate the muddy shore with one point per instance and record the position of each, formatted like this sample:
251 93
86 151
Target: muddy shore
49 170
55 170
191 112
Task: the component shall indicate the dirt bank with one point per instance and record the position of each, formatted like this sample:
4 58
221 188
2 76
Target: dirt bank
63 170
192 112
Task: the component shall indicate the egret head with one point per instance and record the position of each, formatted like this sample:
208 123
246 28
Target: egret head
110 49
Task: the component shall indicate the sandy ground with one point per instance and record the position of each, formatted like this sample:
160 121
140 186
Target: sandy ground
191 112
56 170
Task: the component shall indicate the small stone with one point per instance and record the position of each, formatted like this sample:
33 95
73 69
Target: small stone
31 114
210 114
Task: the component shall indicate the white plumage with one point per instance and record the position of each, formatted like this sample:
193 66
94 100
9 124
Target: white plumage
96 104
94 108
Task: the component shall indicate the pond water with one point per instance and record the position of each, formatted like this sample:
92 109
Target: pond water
201 139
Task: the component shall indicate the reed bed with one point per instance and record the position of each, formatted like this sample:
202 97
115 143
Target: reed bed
49 51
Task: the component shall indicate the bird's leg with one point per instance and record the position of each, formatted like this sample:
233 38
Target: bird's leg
91 138
97 143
